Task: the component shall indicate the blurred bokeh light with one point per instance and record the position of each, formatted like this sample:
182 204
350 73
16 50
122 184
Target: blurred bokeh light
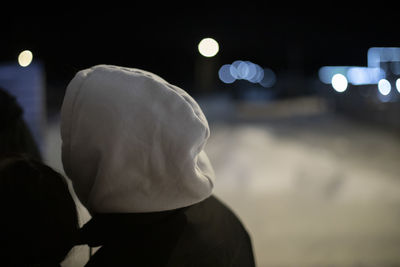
25 58
208 47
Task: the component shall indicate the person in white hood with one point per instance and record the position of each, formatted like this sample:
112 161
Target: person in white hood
133 146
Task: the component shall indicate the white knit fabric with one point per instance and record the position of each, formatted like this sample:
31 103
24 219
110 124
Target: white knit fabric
131 142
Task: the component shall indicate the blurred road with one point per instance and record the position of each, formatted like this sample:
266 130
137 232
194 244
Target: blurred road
313 189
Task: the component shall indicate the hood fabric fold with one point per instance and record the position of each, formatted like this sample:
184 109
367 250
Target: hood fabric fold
131 142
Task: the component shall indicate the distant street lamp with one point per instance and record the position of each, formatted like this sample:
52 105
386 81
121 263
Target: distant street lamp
25 58
208 47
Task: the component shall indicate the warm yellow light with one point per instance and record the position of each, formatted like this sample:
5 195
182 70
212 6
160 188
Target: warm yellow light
208 47
25 58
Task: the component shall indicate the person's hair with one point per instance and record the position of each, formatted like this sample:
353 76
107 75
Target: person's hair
39 220
15 136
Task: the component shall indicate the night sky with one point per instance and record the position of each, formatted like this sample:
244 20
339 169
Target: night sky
163 38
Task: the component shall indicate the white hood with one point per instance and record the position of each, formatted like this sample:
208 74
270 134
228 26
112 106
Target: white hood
131 142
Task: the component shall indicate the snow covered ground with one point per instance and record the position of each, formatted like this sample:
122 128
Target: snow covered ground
313 189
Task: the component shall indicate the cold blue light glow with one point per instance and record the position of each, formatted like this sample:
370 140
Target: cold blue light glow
225 75
384 87
326 73
376 55
364 75
269 78
246 70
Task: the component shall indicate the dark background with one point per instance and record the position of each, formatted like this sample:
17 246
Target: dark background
163 38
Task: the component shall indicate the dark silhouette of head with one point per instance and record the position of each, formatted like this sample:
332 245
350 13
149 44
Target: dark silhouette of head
15 135
39 222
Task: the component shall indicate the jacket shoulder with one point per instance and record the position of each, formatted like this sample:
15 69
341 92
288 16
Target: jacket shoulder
214 236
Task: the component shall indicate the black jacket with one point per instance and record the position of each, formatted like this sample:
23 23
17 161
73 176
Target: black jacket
205 234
